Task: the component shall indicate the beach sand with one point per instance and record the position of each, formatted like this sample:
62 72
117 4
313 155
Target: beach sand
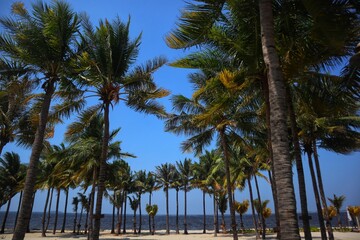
160 235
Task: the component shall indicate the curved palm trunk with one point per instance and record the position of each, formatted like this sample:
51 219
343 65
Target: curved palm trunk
177 211
204 213
5 217
101 181
185 210
43 221
18 209
322 193
125 204
49 210
253 209
167 211
32 206
228 179
299 168
140 217
316 194
65 209
289 228
56 210
260 214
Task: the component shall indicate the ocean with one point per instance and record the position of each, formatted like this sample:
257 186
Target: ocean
195 222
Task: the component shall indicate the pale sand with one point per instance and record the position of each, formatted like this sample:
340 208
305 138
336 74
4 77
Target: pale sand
161 236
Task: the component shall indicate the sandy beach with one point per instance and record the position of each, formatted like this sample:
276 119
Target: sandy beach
162 236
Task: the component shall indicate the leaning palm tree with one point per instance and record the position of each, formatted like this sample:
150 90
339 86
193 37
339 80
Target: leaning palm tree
105 68
43 39
164 175
338 202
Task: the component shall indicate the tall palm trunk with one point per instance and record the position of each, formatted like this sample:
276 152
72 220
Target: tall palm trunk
150 193
49 210
125 204
289 228
223 224
56 210
102 172
43 219
140 215
92 203
261 210
215 219
87 216
32 207
177 211
253 209
167 210
153 225
118 231
242 223
65 209
30 180
18 209
185 210
316 194
80 218
228 179
299 167
5 216
113 216
134 220
204 213
322 192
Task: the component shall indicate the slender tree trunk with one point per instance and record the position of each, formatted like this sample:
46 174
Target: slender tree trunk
140 215
242 224
18 209
289 228
322 192
65 209
185 210
167 211
228 179
125 202
49 210
150 193
102 173
32 206
261 210
80 218
30 180
113 216
316 194
120 215
204 213
118 220
5 216
177 211
92 203
43 219
299 167
86 221
253 209
215 219
56 210
75 221
134 221
153 225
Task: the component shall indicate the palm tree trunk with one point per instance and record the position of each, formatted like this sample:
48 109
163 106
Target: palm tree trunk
30 180
223 224
140 215
18 209
125 204
316 194
5 216
289 228
56 210
177 211
204 213
253 209
134 220
150 193
65 209
49 210
215 219
32 207
299 167
228 179
86 221
153 225
113 216
75 221
260 214
167 211
80 218
43 221
242 224
92 202
185 210
102 173
118 215
322 192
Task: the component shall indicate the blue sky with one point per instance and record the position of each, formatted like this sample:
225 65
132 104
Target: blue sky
144 135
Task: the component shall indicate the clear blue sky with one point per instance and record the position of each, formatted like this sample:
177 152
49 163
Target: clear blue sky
144 135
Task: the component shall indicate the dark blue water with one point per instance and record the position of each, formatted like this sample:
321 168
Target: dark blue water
195 222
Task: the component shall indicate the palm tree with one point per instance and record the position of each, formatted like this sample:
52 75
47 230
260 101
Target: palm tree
109 55
140 188
75 203
185 176
222 203
338 202
134 204
150 187
241 208
152 210
164 174
44 40
355 213
263 211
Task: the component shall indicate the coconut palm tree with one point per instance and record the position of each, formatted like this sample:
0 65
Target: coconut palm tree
140 188
150 187
176 184
152 210
75 203
186 174
106 62
164 174
241 208
134 204
223 205
338 202
43 39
